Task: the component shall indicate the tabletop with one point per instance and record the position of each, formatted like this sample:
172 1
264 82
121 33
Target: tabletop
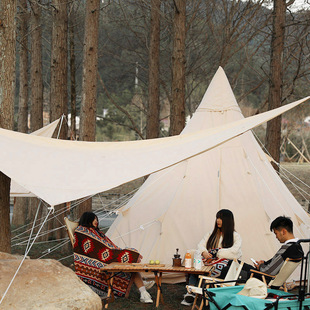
140 267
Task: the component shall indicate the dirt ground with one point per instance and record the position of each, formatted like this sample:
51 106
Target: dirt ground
301 182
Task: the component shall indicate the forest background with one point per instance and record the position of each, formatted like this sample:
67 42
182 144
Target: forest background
137 69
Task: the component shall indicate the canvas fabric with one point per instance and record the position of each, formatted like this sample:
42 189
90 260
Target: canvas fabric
59 171
182 200
47 131
93 250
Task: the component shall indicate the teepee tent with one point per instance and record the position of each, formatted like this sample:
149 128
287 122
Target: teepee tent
175 207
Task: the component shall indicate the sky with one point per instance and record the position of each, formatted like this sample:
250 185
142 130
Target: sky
298 4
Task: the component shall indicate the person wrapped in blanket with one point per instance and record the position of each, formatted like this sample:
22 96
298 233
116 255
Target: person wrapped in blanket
93 249
282 227
218 248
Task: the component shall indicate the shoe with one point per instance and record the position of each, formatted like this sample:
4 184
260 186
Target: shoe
146 298
189 298
148 284
184 303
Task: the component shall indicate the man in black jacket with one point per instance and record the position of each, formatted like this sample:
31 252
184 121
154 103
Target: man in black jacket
283 229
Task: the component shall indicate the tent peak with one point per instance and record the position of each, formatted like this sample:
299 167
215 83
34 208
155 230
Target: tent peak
219 95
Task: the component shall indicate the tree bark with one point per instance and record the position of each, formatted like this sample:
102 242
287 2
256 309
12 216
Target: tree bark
59 64
36 97
177 109
7 90
89 82
23 68
72 77
273 133
21 204
152 123
59 87
36 86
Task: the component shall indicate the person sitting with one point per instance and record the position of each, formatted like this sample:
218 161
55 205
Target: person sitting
218 248
93 249
282 227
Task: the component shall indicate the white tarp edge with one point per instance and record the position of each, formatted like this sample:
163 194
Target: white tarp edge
59 170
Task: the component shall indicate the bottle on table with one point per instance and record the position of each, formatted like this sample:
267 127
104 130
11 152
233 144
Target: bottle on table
188 260
197 260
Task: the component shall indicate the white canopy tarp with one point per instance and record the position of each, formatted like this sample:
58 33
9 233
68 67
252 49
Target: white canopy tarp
46 131
176 207
59 170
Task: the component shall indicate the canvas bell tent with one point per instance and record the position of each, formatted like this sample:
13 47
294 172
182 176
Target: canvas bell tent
175 207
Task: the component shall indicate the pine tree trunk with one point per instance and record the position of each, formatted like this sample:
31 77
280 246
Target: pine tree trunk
177 109
89 83
36 97
152 123
5 227
7 89
23 68
21 204
90 66
273 133
59 87
20 211
59 64
72 77
36 85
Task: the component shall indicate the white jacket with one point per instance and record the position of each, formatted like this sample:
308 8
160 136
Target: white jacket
229 253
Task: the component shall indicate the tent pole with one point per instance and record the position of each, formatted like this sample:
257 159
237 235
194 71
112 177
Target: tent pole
60 126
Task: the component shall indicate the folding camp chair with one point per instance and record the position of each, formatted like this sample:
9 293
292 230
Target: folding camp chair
71 226
230 280
228 298
279 279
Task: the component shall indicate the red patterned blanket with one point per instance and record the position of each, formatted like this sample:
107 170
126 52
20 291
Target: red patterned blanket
92 250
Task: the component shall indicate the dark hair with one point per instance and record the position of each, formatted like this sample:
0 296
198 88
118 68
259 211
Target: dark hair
87 219
227 229
282 222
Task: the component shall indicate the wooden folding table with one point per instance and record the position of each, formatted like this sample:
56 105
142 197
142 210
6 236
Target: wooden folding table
111 269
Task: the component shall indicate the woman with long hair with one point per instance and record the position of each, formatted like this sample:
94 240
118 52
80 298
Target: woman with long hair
218 248
92 249
223 241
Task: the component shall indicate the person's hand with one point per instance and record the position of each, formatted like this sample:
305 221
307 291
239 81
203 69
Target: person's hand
260 262
206 255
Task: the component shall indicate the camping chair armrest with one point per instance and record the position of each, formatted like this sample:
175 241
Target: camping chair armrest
216 281
194 289
261 273
211 279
